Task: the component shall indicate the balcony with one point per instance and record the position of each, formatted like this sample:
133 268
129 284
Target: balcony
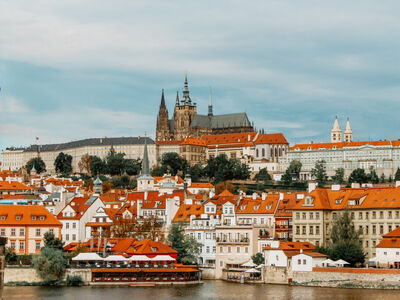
282 227
243 241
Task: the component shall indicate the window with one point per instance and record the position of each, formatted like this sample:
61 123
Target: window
74 225
381 229
21 245
381 215
366 215
304 216
3 231
18 218
367 230
373 229
360 214
3 218
12 231
74 237
199 236
33 218
12 245
299 261
41 218
374 215
51 231
67 237
37 231
67 225
221 249
37 246
311 216
213 249
297 229
317 215
352 215
317 229
221 263
311 230
304 230
238 249
304 261
298 215
208 249
21 231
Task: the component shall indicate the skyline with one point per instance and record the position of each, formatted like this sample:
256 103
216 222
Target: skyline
69 73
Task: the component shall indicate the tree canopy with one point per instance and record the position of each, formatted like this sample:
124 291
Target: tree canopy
188 248
358 175
97 165
258 258
50 264
84 164
263 175
63 163
397 175
39 164
221 169
51 241
319 173
292 173
339 176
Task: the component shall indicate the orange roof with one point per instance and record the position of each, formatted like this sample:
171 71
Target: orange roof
347 198
33 215
271 138
194 141
390 240
177 179
14 185
393 234
286 205
201 185
154 200
146 247
229 138
292 253
186 210
288 246
258 206
316 146
78 205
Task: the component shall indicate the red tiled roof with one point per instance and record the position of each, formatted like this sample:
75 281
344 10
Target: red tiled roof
25 213
316 146
186 210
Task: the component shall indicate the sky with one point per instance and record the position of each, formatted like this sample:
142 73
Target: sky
73 69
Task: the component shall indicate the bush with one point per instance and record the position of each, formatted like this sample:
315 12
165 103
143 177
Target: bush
50 264
74 280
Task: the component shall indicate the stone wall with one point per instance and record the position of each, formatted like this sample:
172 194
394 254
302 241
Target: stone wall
278 275
359 278
30 275
207 273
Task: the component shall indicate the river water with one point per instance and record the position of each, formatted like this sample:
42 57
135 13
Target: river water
208 290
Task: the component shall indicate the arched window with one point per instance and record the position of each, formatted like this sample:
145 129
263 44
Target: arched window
256 152
280 151
263 152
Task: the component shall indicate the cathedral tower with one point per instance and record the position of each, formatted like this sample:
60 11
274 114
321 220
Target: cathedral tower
336 132
348 133
162 129
185 110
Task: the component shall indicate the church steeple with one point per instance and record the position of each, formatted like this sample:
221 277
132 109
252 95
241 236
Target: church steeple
348 133
336 132
177 99
162 99
185 97
145 180
162 129
145 162
210 107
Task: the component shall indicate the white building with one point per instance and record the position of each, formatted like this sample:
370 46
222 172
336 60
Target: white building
133 147
388 250
383 156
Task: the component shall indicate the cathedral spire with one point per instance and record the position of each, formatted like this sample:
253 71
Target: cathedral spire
336 132
185 97
348 133
210 107
162 99
177 99
145 163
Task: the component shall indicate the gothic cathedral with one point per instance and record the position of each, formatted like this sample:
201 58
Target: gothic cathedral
186 122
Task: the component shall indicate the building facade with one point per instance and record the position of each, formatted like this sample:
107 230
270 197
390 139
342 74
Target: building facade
133 147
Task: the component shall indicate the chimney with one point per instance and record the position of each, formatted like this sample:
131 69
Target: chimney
263 196
301 251
312 186
397 183
355 185
145 195
254 196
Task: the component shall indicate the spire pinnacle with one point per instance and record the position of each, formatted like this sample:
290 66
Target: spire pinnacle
162 99
185 97
177 99
348 127
210 107
145 163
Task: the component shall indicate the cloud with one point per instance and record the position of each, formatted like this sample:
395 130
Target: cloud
9 104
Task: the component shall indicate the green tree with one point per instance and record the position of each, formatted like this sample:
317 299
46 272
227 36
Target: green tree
174 163
115 162
50 264
390 179
97 166
346 243
133 166
383 178
63 163
39 164
292 173
338 178
221 169
319 173
188 248
263 175
197 172
397 175
358 175
258 258
51 241
10 256
372 176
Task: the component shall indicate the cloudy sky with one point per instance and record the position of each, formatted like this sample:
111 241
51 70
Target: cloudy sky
72 69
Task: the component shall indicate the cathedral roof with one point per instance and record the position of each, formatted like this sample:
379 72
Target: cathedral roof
221 121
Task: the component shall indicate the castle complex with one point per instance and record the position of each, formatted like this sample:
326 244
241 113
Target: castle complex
186 122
